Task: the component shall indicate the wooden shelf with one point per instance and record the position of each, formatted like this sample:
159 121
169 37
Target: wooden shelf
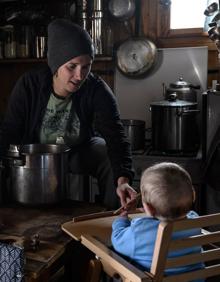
18 61
35 60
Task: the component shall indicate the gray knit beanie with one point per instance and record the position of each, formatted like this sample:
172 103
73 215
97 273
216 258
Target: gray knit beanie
66 41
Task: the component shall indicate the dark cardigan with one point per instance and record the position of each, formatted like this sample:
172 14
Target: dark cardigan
94 103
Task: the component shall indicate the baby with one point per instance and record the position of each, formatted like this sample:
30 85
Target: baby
167 194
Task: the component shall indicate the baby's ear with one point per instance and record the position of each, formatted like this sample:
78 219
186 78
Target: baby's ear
194 194
149 209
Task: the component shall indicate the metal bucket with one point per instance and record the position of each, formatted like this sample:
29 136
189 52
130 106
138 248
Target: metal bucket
39 175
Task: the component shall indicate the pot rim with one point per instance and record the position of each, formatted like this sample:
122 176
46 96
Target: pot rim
176 103
132 122
43 149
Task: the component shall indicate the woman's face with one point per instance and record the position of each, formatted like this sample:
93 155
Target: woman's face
71 75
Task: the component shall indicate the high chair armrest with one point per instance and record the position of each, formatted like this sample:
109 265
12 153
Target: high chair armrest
113 264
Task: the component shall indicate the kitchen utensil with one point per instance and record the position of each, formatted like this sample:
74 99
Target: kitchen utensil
97 23
38 176
174 126
40 46
119 210
136 56
211 9
121 10
135 131
184 90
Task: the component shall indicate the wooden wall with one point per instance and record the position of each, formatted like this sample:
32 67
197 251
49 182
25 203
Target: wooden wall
154 24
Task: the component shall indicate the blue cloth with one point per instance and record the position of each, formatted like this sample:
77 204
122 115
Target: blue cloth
136 239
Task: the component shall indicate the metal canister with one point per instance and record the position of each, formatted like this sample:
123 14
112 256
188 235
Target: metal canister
97 31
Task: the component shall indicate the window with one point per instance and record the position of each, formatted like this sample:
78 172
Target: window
183 18
187 13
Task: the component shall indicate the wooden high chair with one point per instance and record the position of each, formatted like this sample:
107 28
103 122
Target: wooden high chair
94 232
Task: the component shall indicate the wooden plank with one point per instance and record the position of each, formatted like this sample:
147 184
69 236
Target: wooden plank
193 258
185 277
198 240
93 216
202 221
161 248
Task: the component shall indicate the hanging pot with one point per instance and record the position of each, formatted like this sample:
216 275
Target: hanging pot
136 56
121 10
174 126
184 90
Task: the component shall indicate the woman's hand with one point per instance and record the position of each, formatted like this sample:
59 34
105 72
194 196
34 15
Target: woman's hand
125 192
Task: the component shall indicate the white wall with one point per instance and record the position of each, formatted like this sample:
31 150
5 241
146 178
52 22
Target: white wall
135 95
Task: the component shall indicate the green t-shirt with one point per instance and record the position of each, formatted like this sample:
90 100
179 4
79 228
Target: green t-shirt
60 121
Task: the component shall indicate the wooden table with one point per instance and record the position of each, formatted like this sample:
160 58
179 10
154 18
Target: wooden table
23 222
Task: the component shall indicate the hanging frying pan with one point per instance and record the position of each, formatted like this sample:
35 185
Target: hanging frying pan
136 56
121 10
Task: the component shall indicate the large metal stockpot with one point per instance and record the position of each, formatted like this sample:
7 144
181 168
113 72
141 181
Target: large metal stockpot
174 126
38 175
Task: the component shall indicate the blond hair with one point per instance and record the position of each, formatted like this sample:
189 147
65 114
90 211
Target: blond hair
168 188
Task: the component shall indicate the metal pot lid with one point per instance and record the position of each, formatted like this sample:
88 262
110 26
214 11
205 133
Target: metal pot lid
180 84
175 103
136 56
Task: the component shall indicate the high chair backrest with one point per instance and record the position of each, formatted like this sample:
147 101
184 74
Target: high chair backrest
115 265
209 240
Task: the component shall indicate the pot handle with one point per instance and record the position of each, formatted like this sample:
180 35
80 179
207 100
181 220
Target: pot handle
195 86
12 162
181 112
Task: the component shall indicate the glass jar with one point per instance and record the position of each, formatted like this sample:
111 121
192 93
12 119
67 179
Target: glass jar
9 42
24 41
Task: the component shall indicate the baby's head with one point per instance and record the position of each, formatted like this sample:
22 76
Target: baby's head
167 191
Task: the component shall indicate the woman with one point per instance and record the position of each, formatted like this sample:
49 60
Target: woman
65 102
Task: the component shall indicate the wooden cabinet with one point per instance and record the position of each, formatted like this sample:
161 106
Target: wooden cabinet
36 14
